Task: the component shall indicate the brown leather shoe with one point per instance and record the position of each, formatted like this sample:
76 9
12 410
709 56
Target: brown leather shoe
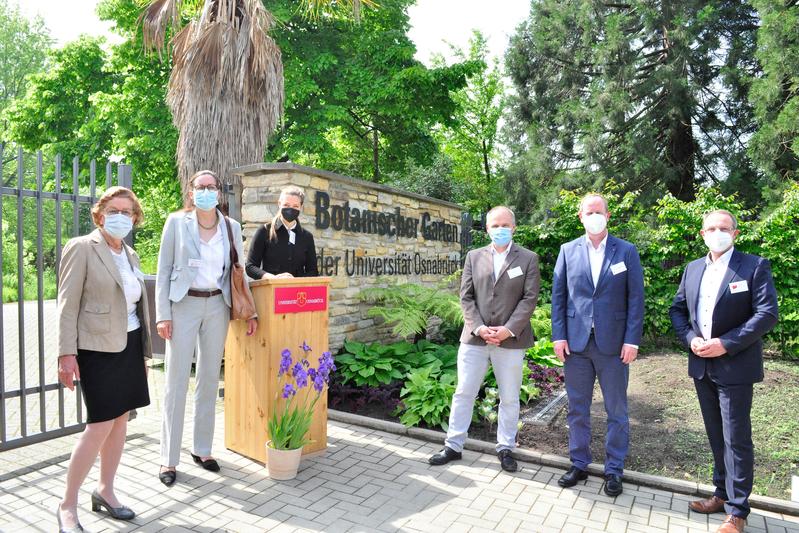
733 524
714 504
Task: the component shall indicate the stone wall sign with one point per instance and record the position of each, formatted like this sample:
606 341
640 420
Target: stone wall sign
366 234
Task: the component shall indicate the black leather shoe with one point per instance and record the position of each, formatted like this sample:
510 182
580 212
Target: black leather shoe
507 462
570 478
208 464
168 477
444 456
119 513
613 486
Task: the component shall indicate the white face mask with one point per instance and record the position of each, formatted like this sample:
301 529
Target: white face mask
718 241
595 223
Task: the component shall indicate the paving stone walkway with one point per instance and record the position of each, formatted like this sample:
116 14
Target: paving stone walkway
368 480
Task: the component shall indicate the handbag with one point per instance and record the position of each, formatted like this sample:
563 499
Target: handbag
242 305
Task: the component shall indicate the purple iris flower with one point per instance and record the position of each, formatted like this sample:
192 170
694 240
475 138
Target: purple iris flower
305 347
285 362
288 390
301 378
312 373
318 383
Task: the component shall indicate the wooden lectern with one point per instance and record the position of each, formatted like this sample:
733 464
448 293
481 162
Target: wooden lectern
290 311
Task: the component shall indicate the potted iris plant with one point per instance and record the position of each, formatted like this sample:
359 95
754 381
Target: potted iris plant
288 426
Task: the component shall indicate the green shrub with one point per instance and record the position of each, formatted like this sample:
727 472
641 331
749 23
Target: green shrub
371 365
426 398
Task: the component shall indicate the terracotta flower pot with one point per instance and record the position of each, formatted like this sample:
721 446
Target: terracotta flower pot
282 464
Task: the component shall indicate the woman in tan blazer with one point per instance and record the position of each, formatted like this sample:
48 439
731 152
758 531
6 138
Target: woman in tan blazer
103 341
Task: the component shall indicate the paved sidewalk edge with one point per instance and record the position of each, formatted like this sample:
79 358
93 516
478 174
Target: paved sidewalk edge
691 488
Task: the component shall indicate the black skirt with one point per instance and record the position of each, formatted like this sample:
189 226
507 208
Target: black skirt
113 383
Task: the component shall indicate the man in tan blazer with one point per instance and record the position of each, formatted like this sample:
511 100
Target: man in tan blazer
499 291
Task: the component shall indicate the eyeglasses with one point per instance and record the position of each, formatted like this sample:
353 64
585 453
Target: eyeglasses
127 213
212 188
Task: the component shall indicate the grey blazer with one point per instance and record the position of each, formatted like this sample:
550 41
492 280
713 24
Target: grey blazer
92 311
180 243
506 301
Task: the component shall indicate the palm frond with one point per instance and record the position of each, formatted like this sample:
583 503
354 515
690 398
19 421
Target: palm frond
156 19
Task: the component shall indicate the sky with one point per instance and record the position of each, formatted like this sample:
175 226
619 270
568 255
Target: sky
433 22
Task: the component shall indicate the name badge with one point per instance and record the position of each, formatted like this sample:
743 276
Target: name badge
739 286
196 263
515 272
292 237
618 268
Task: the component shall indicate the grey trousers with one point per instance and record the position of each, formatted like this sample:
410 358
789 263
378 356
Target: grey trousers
200 323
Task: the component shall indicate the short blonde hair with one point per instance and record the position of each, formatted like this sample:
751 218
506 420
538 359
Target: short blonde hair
117 192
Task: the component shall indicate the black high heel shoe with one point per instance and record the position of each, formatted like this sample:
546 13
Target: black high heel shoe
119 513
61 529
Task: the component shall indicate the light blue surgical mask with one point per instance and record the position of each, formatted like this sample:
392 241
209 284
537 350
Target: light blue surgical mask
500 236
118 226
205 199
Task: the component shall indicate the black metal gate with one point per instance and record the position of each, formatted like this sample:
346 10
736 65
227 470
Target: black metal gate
38 212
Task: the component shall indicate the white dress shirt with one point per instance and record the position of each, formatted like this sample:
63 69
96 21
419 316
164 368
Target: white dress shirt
709 289
596 256
131 285
212 255
499 261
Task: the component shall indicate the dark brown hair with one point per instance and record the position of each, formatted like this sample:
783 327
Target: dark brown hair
187 203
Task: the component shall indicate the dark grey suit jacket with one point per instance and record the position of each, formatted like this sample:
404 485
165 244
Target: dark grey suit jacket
506 301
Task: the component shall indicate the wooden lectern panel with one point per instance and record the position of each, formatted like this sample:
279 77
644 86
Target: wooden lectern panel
252 388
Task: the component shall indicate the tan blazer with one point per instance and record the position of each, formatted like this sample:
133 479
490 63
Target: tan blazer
508 301
92 311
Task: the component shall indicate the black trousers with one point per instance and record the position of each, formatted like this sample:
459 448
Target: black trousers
726 411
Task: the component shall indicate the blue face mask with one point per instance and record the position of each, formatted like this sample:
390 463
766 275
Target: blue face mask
118 226
205 199
500 236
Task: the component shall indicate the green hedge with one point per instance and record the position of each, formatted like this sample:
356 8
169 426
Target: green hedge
667 237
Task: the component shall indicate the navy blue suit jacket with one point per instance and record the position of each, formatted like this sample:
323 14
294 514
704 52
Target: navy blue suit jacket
616 305
740 319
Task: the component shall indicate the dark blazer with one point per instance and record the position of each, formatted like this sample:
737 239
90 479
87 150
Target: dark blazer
298 259
92 310
508 302
615 305
739 319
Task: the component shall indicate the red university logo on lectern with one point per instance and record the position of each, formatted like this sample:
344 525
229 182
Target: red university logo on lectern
300 299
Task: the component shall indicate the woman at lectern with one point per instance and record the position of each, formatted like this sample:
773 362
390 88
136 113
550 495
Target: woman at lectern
192 309
282 248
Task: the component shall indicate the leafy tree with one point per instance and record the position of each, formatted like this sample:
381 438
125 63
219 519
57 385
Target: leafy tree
23 49
775 95
646 92
357 101
57 111
471 139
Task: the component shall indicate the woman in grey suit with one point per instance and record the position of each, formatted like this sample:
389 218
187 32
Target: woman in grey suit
103 341
192 313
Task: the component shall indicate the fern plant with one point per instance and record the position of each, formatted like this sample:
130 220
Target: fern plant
408 307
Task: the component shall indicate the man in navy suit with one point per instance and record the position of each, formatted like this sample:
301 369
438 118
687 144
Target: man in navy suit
597 322
725 304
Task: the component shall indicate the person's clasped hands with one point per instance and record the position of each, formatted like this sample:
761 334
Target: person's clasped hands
494 334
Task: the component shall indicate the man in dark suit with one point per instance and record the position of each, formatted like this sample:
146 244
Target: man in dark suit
499 291
597 322
725 304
